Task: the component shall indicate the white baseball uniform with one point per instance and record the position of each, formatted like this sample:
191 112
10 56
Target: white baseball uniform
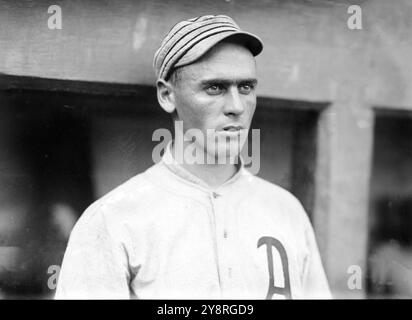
164 234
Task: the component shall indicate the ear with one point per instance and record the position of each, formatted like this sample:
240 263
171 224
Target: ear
165 95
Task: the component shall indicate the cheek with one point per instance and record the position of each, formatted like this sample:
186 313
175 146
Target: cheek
250 108
204 119
196 111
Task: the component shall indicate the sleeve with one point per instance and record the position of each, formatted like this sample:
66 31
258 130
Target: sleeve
315 283
95 262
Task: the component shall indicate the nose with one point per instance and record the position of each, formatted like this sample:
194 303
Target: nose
234 105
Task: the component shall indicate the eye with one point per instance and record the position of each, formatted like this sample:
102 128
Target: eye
214 89
246 88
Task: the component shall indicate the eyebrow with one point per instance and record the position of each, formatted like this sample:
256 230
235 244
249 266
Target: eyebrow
229 81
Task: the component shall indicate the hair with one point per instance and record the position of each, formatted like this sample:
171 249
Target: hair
175 76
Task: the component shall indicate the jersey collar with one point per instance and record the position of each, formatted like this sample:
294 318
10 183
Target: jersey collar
170 162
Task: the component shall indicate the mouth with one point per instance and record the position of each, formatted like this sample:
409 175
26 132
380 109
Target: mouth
232 128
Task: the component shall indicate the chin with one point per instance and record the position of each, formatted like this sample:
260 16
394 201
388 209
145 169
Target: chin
228 152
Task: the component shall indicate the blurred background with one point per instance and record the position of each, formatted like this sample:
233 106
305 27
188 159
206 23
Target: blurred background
78 108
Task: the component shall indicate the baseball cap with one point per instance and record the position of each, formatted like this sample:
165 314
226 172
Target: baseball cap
190 39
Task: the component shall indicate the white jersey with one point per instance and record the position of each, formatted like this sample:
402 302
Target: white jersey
164 234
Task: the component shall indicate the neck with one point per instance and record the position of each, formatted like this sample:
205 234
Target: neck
214 175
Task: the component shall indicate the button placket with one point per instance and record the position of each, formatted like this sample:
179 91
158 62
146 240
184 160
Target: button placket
223 242
216 225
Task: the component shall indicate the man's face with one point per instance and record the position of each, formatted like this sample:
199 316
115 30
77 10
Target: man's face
218 93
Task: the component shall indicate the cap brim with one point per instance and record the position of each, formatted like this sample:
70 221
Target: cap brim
249 40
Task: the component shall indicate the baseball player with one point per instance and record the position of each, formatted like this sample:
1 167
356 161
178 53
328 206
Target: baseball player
198 230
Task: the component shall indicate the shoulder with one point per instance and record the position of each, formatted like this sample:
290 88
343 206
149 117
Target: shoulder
121 203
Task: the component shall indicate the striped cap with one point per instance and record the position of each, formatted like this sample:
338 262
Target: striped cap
188 40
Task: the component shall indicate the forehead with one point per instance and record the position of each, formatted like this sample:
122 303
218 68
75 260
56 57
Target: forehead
225 60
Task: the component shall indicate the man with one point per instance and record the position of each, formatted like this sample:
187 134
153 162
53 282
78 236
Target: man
205 229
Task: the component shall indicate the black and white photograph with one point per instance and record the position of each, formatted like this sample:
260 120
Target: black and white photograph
235 150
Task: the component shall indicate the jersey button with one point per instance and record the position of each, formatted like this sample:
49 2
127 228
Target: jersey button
215 195
225 234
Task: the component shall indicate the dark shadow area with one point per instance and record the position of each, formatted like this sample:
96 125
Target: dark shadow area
390 242
49 178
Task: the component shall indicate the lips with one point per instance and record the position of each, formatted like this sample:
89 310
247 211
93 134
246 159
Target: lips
232 128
